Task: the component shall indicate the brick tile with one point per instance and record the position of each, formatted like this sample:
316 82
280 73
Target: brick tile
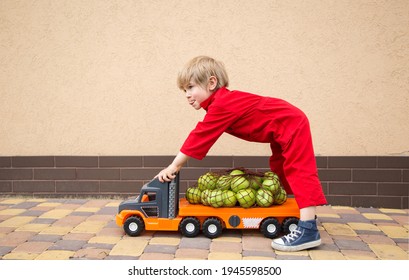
5 250
100 218
32 227
35 247
156 256
363 226
43 221
345 210
395 231
45 238
20 256
25 205
111 231
187 253
70 221
78 236
394 211
165 241
105 239
338 229
12 212
16 174
77 187
70 245
95 203
259 243
56 214
198 242
98 174
121 258
55 255
376 239
262 254
76 161
53 230
107 211
49 204
91 254
351 245
104 246
376 175
404 246
393 162
129 247
359 255
17 221
6 187
389 252
32 161
120 161
351 162
289 257
5 161
89 227
376 216
351 188
325 255
162 249
292 254
224 256
403 220
354 218
54 174
230 247
12 201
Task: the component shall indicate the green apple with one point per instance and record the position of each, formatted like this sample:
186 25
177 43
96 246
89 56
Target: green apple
229 198
207 181
264 198
223 183
216 198
246 198
239 183
193 195
280 197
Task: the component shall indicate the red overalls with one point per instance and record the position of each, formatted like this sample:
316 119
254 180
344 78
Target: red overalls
267 120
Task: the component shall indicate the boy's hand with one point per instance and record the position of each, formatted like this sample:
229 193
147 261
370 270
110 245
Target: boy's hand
167 174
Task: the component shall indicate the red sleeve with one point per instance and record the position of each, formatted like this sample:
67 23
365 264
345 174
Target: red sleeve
206 132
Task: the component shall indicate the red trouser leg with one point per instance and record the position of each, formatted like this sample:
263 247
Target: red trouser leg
296 166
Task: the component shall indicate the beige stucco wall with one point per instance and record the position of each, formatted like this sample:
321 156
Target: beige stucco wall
98 77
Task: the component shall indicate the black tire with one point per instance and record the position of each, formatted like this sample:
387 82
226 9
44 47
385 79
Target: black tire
212 228
133 226
270 227
189 227
290 224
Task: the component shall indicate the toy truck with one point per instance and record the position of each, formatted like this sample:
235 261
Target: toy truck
159 208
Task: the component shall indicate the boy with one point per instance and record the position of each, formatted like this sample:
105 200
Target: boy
258 119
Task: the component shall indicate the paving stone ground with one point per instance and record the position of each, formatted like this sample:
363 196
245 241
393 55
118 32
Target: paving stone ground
64 229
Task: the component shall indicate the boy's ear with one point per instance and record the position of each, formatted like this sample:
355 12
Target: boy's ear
212 82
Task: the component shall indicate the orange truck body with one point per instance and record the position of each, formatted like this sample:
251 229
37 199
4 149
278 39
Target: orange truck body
158 208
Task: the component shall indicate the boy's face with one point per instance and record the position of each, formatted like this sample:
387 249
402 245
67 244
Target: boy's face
196 94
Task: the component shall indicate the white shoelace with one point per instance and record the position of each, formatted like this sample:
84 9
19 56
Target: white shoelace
293 235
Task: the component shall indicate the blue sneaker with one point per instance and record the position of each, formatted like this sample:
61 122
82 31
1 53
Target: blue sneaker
305 236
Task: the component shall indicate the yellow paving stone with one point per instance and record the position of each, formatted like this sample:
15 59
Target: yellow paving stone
227 239
328 216
165 241
12 201
395 231
20 256
326 255
89 227
224 256
87 209
17 221
389 252
12 212
358 255
55 255
392 211
339 229
105 239
129 247
299 253
56 214
32 227
54 230
376 216
363 226
113 204
49 204
343 208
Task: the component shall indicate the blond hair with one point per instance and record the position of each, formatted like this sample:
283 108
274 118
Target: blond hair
199 70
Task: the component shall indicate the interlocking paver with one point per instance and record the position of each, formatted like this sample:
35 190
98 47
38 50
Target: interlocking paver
389 252
47 229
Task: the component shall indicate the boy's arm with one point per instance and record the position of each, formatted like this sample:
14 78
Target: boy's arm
169 172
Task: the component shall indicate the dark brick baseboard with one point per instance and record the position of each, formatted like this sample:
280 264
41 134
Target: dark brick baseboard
371 181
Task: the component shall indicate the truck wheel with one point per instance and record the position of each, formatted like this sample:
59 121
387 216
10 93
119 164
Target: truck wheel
189 227
212 228
133 226
290 224
270 227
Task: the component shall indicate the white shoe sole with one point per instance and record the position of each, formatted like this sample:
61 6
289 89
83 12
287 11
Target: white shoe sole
296 248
